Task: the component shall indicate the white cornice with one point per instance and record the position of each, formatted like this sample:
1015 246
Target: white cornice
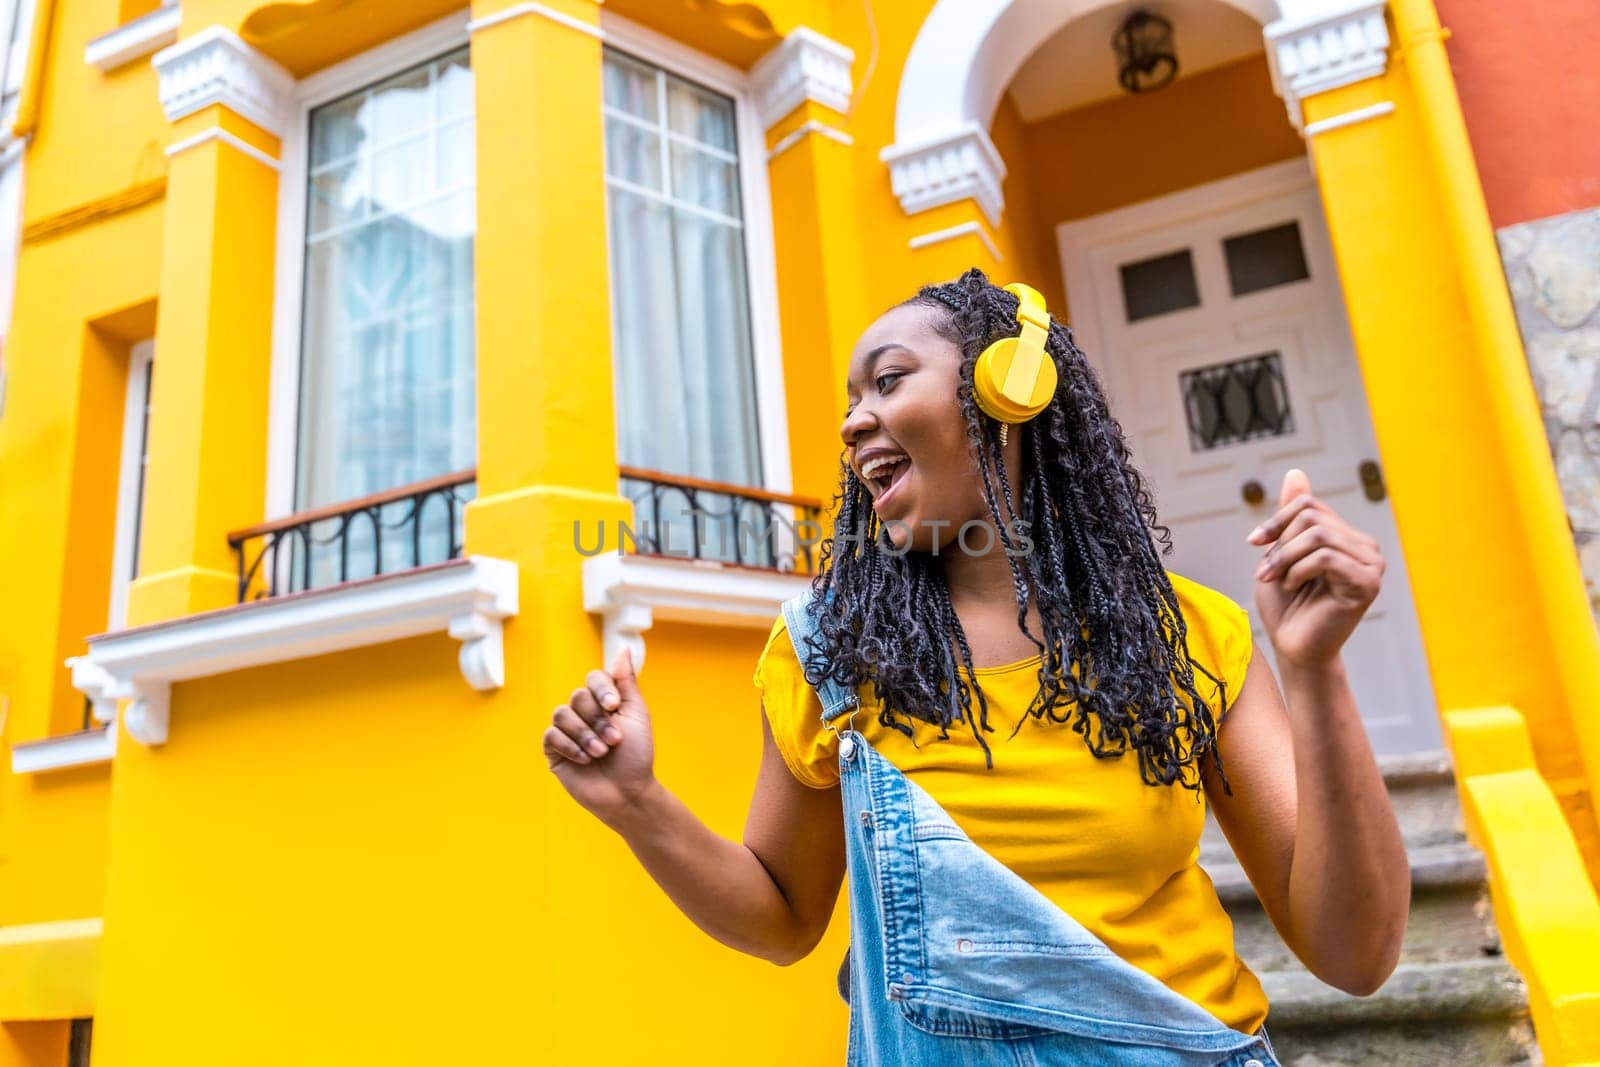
216 67
631 592
804 66
466 598
133 40
70 750
1313 53
946 169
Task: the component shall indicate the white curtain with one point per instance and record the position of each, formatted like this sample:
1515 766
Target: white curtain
685 393
388 369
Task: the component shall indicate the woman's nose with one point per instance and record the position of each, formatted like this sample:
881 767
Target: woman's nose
856 422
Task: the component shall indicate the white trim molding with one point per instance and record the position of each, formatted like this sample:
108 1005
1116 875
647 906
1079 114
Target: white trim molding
133 40
793 137
1331 45
946 169
1350 118
804 66
216 67
973 227
217 133
516 11
68 750
630 593
467 598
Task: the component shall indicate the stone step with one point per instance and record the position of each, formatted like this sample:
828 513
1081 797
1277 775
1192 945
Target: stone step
1453 1001
1451 918
1450 1013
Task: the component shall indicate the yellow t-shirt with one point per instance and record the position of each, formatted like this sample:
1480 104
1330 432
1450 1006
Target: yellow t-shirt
1117 855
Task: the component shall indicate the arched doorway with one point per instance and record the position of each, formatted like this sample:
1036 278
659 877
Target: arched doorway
1196 266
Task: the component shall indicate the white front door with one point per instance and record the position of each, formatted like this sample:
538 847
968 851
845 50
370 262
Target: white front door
1215 319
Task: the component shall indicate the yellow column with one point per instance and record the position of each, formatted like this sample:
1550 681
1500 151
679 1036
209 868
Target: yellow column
1472 487
803 89
546 422
546 441
208 426
1535 505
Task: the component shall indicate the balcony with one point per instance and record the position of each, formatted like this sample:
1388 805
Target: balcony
698 551
374 570
398 529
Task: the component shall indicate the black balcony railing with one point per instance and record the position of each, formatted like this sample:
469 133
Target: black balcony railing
400 528
692 518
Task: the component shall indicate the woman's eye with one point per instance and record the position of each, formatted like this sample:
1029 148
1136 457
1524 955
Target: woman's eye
890 378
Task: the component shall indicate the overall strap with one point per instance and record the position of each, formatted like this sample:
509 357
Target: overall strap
836 699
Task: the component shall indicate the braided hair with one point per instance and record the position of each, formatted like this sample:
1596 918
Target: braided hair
1114 662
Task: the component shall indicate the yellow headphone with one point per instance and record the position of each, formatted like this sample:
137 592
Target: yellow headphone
1015 378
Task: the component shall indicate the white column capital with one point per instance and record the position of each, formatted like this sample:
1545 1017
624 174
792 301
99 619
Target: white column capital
1335 43
215 66
804 66
942 170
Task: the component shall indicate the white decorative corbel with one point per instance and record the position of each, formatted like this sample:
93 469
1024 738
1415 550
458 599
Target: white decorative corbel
482 656
946 169
804 66
216 67
96 683
630 593
468 598
1312 53
148 700
147 714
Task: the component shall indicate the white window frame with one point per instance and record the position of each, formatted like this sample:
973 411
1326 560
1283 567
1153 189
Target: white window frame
451 32
760 256
130 482
325 86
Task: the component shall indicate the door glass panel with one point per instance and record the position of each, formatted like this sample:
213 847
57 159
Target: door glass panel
1156 286
1265 258
1239 401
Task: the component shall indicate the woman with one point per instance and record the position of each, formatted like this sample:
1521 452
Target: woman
1009 735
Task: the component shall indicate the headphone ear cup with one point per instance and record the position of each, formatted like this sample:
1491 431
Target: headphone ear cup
1012 381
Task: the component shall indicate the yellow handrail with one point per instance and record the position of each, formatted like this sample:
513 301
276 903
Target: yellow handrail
1544 903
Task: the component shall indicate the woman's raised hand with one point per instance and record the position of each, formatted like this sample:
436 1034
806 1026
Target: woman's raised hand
1319 576
599 744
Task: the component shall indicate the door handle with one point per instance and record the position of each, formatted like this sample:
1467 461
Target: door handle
1372 481
1253 493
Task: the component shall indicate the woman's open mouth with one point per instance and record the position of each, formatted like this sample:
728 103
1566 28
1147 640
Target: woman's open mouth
884 475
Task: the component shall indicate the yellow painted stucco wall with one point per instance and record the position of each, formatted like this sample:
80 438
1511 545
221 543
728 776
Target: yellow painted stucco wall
357 858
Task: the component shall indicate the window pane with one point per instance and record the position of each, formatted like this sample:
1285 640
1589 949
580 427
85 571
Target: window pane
387 391
704 180
1156 286
631 86
700 114
1238 401
454 92
633 154
1265 258
686 398
456 152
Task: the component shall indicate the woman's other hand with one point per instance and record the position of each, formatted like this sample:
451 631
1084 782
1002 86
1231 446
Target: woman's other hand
599 744
1318 577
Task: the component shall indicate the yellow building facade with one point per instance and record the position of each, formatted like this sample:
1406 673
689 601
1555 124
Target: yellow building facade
343 328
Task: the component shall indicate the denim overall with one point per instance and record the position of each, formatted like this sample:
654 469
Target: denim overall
956 961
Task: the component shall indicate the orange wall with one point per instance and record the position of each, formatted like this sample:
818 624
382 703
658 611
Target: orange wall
1530 89
1119 152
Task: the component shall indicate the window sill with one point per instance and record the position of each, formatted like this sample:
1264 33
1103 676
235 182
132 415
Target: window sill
79 749
630 592
467 598
133 40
